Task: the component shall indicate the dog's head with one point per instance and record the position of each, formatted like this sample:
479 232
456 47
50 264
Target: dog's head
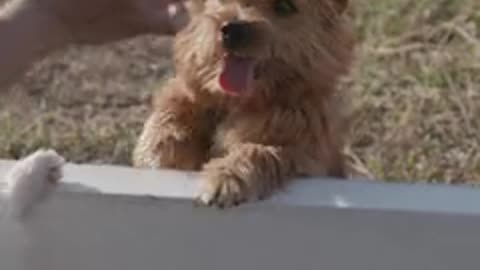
241 46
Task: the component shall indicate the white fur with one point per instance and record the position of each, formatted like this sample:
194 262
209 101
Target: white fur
31 180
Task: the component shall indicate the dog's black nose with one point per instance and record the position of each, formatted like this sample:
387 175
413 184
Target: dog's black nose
236 35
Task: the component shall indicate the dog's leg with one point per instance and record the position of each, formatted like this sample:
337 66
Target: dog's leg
251 171
267 149
176 134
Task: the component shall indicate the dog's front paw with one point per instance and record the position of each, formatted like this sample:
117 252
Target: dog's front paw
252 172
224 191
41 168
32 178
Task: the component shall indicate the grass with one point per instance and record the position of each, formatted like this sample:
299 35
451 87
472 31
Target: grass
416 90
415 93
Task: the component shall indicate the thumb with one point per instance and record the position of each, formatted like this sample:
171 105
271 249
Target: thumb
164 17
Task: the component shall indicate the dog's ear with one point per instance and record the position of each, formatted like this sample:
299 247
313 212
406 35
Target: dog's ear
340 5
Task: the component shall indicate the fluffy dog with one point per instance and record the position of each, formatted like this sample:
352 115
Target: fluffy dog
253 102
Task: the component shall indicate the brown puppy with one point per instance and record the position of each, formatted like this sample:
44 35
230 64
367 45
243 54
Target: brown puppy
253 101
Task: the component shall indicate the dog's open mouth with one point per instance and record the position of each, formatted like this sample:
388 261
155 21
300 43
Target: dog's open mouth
238 74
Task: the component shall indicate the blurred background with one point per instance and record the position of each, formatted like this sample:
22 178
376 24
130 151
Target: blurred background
415 91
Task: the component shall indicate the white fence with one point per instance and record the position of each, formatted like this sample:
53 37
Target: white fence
123 219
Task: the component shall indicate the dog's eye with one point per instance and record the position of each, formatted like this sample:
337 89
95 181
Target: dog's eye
284 8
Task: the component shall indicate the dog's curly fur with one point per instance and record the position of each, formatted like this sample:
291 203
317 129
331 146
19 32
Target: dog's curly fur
290 125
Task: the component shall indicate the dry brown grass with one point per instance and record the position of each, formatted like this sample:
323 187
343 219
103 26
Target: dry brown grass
88 103
416 88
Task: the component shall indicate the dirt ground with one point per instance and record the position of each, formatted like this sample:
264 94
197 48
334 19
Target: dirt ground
415 93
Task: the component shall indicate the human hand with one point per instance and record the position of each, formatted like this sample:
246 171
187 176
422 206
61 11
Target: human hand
102 21
31 29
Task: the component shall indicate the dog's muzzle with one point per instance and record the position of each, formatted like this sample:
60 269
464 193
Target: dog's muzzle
236 35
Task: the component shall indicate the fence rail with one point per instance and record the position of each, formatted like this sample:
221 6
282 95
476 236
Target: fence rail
120 218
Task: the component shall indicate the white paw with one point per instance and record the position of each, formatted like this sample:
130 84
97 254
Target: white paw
31 179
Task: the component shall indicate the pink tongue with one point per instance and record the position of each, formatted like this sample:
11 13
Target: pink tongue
237 75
